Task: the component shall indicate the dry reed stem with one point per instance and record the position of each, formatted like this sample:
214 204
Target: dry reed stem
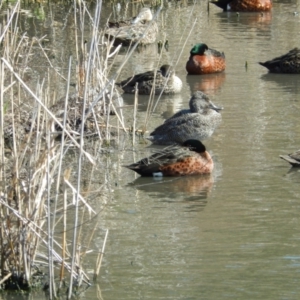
52 289
46 109
77 196
100 257
12 14
134 112
25 206
151 105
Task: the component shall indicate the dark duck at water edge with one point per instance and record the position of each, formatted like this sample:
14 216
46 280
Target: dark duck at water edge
292 158
141 28
288 63
74 110
244 5
190 158
163 80
199 122
204 60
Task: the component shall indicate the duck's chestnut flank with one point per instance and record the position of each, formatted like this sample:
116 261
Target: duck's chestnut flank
191 158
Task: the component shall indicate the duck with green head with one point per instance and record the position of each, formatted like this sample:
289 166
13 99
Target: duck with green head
190 158
287 63
163 81
204 60
244 5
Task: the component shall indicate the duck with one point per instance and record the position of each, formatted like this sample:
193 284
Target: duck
190 158
292 158
74 110
17 124
142 29
204 60
244 5
287 63
163 81
199 122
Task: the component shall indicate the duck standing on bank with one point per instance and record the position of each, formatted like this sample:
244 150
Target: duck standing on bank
288 63
191 158
204 60
142 29
199 122
163 80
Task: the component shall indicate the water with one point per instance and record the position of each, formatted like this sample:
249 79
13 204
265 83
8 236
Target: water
233 235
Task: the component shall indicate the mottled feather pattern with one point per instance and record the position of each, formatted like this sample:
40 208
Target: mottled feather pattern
163 81
251 5
287 63
140 29
215 53
190 158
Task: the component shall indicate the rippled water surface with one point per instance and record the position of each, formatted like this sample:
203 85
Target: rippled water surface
234 235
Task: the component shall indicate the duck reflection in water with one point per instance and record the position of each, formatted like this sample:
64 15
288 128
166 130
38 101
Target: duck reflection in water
191 190
209 84
287 82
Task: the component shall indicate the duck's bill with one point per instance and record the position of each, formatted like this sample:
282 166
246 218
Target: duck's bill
215 107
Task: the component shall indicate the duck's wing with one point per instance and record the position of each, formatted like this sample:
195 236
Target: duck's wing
215 53
152 164
183 125
119 24
293 158
131 81
221 3
290 60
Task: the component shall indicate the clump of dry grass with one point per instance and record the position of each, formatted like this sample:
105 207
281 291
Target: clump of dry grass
44 205
37 189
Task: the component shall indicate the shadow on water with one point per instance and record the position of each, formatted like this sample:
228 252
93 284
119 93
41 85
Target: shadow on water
288 82
292 174
209 84
247 19
190 190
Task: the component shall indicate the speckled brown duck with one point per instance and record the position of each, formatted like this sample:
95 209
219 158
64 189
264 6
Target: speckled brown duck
75 108
17 124
142 29
191 158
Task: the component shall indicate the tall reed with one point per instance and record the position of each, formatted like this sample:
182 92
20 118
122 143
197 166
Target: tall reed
36 188
44 204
